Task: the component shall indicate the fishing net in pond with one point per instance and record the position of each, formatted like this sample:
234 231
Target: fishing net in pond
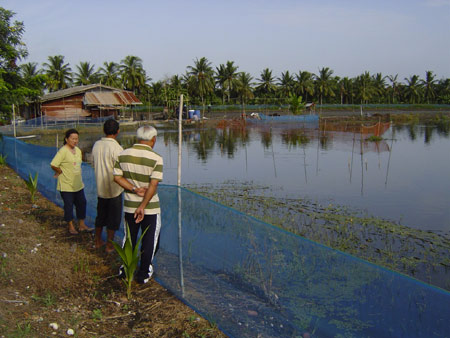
255 280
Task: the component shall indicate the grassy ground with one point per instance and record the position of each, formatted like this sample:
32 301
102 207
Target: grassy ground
48 276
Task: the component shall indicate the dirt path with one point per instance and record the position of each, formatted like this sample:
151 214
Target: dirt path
48 276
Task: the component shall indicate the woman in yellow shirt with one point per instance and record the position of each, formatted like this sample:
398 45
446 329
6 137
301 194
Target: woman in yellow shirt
67 167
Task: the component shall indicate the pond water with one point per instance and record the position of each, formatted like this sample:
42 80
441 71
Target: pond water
403 178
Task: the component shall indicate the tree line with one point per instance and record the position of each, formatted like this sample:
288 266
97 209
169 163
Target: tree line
202 83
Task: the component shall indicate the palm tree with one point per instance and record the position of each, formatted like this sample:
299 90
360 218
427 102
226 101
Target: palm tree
304 84
429 85
176 83
379 86
157 92
109 74
394 86
133 74
220 78
266 83
324 83
443 91
58 73
85 74
34 81
29 70
230 77
345 89
365 87
413 90
201 80
286 84
244 88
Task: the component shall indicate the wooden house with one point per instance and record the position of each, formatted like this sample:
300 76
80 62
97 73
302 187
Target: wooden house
89 101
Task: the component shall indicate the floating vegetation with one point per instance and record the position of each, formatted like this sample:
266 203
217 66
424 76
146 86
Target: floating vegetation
417 253
374 138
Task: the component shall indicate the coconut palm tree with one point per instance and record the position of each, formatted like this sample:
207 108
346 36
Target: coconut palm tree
379 86
201 78
324 83
443 91
109 74
157 92
345 89
32 76
34 81
177 84
29 70
394 86
429 86
304 84
133 74
286 84
220 77
413 89
365 87
59 74
244 88
85 74
266 84
230 77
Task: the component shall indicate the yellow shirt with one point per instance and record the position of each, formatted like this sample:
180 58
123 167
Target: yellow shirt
70 164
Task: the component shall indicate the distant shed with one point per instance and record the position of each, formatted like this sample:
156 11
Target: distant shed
93 101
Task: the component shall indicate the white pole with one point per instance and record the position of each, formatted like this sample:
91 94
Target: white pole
14 120
180 248
180 118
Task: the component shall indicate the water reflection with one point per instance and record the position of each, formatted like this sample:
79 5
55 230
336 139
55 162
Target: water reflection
397 177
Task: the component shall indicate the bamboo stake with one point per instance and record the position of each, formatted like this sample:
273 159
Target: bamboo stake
180 248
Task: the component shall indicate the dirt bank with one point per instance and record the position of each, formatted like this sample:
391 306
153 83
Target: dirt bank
48 276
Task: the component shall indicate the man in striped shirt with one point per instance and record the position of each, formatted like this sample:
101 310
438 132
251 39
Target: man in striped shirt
138 170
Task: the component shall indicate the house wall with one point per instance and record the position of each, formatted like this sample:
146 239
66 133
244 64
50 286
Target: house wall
69 108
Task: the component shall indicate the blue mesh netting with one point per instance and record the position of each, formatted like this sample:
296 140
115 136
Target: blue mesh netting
255 280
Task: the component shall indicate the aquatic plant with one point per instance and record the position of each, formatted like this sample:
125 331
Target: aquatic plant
374 138
417 253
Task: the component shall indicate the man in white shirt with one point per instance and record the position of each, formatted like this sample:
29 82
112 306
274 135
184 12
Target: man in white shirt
109 200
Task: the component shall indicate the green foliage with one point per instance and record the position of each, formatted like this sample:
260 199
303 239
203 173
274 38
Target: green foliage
97 314
3 159
48 300
130 258
374 138
22 331
12 50
32 186
295 104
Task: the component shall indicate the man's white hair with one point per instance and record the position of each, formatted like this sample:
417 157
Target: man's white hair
146 133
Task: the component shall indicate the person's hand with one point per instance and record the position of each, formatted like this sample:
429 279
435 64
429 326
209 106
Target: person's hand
140 191
139 214
56 175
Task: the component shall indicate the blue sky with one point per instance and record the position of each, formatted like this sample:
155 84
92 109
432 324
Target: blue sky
403 37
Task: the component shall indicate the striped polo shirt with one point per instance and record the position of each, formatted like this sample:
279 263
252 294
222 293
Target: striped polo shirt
139 164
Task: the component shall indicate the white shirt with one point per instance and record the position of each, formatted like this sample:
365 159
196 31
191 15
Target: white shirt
105 153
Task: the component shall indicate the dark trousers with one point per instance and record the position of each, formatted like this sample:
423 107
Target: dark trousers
74 198
149 241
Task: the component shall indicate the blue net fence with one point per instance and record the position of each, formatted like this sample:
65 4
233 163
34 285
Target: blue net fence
255 280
